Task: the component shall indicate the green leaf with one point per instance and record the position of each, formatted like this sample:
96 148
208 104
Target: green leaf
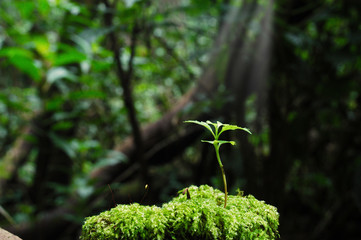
216 125
88 94
23 60
211 142
15 51
27 66
226 127
62 125
57 73
54 104
223 142
69 57
204 124
220 142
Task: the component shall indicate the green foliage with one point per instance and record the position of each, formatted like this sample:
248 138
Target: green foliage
200 217
57 71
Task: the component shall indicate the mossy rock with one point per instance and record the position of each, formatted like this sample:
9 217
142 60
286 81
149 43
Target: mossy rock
203 216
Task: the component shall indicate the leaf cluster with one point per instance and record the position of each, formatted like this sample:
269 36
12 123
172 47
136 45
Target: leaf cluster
200 217
218 128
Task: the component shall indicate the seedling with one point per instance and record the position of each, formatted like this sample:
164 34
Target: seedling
217 129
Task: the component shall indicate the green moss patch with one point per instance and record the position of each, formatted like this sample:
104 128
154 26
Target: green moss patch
200 217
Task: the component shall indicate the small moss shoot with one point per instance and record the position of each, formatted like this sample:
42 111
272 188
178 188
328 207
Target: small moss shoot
200 217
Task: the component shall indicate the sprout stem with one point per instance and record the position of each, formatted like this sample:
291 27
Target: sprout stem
216 147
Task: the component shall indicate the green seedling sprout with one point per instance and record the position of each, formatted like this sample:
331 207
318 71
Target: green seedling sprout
217 129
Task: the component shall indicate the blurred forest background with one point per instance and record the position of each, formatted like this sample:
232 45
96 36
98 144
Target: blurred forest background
93 95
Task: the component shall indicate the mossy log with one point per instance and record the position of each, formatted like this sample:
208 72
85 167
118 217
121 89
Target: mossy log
200 215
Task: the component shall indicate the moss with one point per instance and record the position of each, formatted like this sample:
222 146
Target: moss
201 217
